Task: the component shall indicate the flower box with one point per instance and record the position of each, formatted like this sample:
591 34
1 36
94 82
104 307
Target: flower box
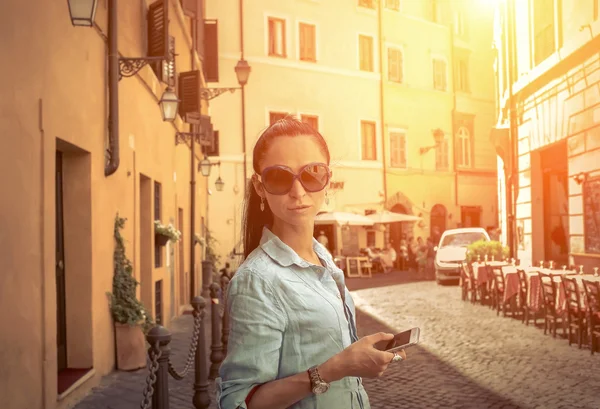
161 239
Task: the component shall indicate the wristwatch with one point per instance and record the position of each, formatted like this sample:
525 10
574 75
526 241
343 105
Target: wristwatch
317 384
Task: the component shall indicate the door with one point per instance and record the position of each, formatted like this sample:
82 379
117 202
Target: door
181 260
470 216
61 304
437 222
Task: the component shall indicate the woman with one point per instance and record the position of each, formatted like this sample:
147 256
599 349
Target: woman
293 340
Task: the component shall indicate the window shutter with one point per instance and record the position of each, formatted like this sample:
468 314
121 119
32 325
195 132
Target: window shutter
214 149
189 92
211 51
158 29
206 129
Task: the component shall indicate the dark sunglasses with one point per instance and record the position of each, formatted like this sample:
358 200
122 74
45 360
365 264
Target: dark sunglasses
278 180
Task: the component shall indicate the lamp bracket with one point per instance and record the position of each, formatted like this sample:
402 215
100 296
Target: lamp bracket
128 67
426 149
185 137
209 93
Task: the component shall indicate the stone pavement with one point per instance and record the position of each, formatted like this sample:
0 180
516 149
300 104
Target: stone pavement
468 357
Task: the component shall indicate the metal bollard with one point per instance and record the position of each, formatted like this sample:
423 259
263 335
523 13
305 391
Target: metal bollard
201 399
207 272
160 397
216 354
225 325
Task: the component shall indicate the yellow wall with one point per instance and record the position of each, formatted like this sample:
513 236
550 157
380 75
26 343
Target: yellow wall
416 108
57 100
333 88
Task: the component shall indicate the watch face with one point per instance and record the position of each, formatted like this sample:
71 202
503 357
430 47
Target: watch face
320 388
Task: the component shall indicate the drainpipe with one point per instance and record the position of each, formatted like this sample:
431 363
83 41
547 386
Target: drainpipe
452 67
381 102
513 135
113 91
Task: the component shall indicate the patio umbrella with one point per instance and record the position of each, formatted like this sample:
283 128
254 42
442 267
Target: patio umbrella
350 219
392 217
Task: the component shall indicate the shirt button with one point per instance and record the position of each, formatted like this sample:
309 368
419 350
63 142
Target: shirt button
339 296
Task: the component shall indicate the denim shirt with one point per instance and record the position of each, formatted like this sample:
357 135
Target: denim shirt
287 315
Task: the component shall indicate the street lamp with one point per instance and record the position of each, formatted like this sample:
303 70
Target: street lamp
82 12
204 166
219 184
242 71
438 138
168 105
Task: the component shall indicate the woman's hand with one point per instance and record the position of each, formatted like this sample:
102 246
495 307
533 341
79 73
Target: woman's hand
361 359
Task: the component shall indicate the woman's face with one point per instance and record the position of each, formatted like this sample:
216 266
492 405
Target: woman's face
297 207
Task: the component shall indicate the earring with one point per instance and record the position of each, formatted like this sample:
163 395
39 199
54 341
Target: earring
262 204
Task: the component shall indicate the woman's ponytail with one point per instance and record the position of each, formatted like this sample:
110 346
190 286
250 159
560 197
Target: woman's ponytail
254 219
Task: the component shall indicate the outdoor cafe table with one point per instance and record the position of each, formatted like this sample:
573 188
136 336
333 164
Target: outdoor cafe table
480 270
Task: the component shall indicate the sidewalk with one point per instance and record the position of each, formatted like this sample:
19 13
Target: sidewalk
123 390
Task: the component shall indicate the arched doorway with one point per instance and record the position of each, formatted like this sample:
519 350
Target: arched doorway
397 230
437 222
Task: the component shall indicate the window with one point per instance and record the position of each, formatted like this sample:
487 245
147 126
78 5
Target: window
392 5
312 120
463 142
543 30
431 10
308 42
441 155
462 74
398 149
460 24
368 144
276 116
158 249
277 37
395 65
365 52
370 4
439 74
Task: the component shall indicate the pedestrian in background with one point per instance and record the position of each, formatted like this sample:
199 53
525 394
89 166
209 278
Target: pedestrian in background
293 341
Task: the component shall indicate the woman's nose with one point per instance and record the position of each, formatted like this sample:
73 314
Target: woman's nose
297 190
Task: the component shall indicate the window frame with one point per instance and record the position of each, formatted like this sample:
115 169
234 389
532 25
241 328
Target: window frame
361 140
439 58
284 35
359 53
442 149
403 133
462 139
399 49
301 23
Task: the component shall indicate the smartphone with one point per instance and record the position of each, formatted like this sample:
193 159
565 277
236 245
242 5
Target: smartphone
403 340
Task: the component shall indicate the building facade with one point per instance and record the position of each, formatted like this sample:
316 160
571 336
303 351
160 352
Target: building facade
438 108
65 183
550 147
378 79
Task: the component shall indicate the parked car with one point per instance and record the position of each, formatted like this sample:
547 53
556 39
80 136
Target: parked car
452 250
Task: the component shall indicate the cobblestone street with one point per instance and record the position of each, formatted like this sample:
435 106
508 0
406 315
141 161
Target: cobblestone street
468 357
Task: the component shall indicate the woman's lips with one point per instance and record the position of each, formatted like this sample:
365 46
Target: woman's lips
299 209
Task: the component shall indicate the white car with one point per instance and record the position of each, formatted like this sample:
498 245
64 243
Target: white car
452 250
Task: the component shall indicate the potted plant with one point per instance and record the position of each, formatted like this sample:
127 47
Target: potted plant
493 249
130 317
165 233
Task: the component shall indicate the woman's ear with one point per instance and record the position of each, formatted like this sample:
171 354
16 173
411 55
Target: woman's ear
258 187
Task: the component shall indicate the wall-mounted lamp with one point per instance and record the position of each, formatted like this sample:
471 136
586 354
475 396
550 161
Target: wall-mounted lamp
82 12
204 168
579 178
438 137
168 105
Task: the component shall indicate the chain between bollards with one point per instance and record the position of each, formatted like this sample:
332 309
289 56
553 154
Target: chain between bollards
157 382
201 399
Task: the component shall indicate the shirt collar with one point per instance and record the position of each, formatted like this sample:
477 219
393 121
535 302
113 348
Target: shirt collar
285 256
